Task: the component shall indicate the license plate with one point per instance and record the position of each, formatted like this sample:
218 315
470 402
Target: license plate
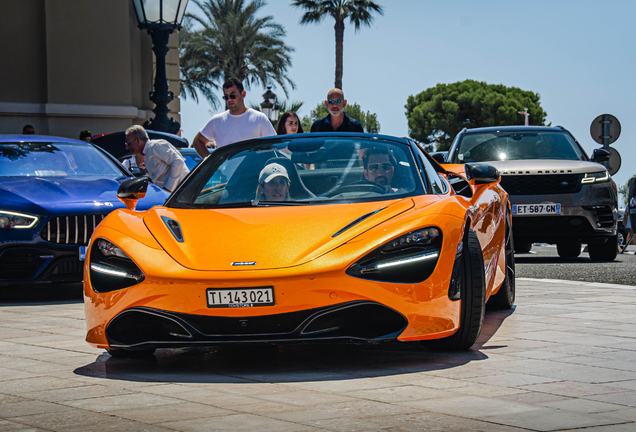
536 209
240 297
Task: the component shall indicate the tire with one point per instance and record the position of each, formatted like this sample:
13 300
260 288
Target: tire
505 297
604 251
569 249
621 237
130 354
473 299
523 247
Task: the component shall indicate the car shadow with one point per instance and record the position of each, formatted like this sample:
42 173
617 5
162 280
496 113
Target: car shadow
27 295
290 362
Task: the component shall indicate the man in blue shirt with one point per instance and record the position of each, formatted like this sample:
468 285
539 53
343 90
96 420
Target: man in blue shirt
337 120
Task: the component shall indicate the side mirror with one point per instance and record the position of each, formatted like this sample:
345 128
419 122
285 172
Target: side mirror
131 190
439 158
600 155
481 173
137 172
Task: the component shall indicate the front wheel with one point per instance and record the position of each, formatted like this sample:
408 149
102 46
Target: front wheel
472 297
569 249
604 251
505 297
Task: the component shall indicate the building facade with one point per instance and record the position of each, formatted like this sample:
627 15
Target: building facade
72 65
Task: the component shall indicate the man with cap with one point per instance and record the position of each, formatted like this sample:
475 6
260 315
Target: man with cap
273 183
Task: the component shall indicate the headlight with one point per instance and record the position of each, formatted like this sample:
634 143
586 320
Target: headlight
13 220
111 269
596 177
410 258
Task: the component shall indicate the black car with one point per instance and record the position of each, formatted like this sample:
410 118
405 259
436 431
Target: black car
113 142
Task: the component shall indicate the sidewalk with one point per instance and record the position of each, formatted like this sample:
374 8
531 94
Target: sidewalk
563 359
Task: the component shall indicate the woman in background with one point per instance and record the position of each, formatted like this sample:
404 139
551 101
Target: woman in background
289 123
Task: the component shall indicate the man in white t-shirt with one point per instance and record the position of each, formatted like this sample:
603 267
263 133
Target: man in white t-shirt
236 124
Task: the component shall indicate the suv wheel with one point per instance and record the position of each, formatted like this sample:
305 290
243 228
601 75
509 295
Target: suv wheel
522 247
569 249
604 251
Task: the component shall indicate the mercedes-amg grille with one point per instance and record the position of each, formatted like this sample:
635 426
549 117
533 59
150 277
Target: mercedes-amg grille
74 229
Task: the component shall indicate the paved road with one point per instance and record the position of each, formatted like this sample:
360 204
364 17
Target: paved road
543 262
562 360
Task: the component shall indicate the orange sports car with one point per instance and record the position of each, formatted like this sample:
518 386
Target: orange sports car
304 237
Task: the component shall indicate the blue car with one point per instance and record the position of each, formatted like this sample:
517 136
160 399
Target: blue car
53 193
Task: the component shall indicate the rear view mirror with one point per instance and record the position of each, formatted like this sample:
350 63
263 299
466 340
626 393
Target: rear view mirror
600 155
131 190
481 172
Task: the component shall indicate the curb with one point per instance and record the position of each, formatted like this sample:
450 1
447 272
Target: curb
589 284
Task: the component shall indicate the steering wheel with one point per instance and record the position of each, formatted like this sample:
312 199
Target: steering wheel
359 186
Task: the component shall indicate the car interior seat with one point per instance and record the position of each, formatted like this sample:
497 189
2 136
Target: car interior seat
297 189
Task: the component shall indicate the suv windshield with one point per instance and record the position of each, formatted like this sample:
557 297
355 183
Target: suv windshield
54 160
300 171
516 145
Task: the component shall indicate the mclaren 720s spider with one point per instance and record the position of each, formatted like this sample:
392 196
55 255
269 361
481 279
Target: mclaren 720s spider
304 237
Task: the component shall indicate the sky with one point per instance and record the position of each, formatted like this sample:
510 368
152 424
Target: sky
578 55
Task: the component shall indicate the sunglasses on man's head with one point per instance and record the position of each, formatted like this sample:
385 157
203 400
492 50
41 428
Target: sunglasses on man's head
230 96
333 101
376 166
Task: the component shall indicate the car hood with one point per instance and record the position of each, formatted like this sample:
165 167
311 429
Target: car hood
264 237
546 166
64 195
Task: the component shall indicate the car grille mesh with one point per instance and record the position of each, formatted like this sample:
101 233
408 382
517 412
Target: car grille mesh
541 184
72 229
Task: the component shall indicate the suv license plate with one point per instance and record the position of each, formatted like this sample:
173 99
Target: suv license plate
240 297
536 209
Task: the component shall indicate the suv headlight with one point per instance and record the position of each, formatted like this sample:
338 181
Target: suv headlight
111 269
13 220
596 177
409 258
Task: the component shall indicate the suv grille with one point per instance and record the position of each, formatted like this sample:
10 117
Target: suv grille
74 229
541 184
603 215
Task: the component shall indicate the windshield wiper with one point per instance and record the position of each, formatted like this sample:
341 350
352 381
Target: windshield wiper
259 203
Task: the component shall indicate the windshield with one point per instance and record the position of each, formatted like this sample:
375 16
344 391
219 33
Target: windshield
517 145
300 171
54 160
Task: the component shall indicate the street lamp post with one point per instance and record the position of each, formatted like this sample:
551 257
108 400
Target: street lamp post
269 107
160 18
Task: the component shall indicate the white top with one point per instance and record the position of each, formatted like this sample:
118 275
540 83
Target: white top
165 165
226 128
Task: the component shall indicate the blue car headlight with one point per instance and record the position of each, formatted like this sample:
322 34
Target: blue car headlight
111 269
410 258
13 220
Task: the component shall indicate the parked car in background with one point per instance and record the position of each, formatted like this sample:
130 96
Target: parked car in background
113 142
558 194
53 193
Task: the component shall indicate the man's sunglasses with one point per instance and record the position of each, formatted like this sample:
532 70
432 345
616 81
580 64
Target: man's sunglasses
127 143
230 96
376 166
332 101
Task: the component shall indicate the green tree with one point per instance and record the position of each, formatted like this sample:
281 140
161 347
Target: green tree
369 120
437 114
624 191
231 41
284 106
359 12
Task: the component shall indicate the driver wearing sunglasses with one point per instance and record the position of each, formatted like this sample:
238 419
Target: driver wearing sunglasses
337 120
379 167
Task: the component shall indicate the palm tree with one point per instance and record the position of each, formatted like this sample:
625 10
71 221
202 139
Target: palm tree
233 42
359 13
